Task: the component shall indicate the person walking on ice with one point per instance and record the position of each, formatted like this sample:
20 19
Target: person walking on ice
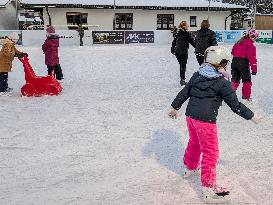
206 90
244 63
7 54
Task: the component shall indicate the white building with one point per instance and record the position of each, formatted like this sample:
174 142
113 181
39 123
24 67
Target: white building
8 12
134 14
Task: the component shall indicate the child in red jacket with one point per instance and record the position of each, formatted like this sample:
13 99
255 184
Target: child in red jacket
50 49
244 63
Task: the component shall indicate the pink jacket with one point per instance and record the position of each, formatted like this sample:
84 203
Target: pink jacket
50 48
246 49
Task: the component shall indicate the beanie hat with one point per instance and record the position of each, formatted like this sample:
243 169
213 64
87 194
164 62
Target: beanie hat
50 29
14 36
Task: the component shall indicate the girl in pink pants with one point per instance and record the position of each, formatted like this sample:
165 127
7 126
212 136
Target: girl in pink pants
244 63
206 90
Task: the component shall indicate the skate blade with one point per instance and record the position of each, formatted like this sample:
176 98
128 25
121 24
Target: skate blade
217 200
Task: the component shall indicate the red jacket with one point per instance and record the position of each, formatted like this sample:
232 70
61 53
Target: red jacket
246 49
50 49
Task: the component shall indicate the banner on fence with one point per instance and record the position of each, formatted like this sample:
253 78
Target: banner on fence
108 37
3 35
139 37
264 37
231 36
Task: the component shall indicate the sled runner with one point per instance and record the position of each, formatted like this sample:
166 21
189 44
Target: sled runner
38 85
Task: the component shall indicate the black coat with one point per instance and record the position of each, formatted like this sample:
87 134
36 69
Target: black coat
181 41
204 38
206 96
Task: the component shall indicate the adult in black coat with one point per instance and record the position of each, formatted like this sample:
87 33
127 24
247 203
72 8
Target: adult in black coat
204 38
180 46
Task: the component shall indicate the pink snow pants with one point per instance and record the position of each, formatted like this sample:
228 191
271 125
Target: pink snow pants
203 140
246 89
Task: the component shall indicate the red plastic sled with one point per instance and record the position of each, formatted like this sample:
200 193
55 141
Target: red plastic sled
38 85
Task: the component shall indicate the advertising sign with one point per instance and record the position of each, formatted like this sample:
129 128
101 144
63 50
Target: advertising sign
108 37
139 37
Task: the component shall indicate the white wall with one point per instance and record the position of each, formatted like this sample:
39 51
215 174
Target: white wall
8 17
143 19
67 38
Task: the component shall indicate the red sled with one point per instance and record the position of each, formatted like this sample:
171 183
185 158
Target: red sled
38 86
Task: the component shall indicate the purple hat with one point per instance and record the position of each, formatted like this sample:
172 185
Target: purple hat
50 29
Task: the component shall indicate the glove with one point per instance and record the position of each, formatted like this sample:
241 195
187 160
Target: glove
253 73
173 114
256 119
21 55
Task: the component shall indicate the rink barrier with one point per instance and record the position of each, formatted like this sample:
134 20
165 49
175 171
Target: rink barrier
156 37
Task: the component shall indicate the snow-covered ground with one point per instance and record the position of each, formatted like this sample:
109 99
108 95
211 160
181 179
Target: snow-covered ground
107 138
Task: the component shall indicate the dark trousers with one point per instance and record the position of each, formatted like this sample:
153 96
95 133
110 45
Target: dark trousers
200 58
240 70
81 41
3 81
182 60
56 71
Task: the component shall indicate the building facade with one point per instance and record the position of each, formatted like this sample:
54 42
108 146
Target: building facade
133 15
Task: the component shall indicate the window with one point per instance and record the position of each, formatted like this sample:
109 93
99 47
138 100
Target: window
165 21
124 21
75 18
193 21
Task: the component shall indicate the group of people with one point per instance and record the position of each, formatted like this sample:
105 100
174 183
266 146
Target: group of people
180 45
206 90
8 52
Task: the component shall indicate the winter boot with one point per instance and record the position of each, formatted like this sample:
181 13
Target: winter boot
189 173
183 82
216 195
6 93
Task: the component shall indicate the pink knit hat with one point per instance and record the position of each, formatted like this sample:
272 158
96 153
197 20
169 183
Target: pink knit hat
50 29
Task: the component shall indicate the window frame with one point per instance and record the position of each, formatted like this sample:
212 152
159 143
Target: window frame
193 18
160 21
71 26
119 24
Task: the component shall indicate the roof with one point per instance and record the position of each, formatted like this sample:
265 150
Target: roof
135 3
3 3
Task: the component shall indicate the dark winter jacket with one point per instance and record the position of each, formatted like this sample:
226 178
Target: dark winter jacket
180 44
50 48
206 96
204 38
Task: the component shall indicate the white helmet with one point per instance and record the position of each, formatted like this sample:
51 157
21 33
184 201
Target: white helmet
14 36
217 54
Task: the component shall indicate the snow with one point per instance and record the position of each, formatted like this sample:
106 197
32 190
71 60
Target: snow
107 138
163 3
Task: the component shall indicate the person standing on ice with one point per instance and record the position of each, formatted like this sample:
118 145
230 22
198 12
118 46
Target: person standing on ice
244 63
7 54
204 38
206 90
180 46
50 49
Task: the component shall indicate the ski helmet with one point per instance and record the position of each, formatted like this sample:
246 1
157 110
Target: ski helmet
217 55
252 33
14 36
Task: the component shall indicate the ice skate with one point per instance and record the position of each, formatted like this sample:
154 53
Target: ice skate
216 195
190 173
6 93
247 101
183 82
9 89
